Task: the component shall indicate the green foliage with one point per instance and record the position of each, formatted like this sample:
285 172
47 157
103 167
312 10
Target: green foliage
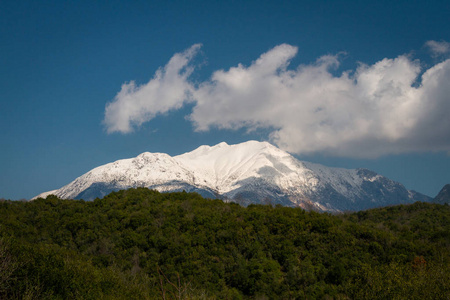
141 244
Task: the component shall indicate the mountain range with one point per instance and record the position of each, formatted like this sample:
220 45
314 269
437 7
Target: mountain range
246 173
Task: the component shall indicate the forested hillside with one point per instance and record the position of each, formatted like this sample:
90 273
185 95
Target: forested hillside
141 244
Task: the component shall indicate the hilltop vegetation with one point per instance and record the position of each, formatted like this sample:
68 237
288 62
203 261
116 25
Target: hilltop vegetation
141 244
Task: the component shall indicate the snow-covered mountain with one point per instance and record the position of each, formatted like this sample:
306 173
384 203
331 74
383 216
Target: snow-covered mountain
250 172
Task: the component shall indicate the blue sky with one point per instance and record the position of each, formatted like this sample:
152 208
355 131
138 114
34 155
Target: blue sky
343 83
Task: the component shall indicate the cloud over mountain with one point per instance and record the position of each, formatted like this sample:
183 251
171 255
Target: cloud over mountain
392 106
438 48
167 90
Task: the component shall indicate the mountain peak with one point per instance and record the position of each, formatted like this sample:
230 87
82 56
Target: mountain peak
443 196
249 172
222 144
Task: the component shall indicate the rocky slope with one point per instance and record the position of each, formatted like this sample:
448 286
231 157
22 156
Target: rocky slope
443 196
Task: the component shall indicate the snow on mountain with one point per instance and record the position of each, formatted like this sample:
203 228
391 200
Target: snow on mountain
45 194
250 172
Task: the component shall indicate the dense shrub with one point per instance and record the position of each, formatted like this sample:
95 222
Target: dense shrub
141 244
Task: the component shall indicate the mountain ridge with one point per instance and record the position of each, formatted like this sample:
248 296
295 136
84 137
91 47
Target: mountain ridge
249 172
443 196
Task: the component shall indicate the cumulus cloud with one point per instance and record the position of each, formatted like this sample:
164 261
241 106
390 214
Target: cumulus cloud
167 90
438 48
374 110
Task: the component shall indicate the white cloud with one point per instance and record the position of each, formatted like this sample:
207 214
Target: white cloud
438 48
377 109
167 90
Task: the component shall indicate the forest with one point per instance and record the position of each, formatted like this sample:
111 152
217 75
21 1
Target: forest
142 244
